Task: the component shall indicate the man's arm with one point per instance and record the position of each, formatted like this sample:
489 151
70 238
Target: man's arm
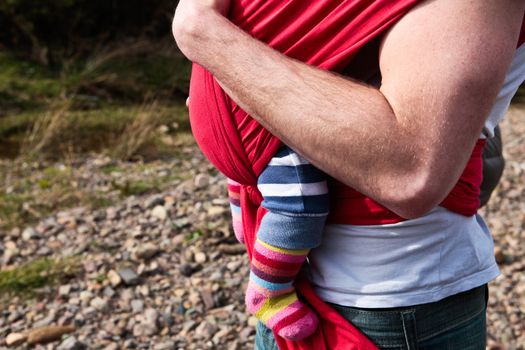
406 144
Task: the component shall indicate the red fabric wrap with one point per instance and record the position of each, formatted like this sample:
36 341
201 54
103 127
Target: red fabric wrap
348 206
324 33
521 40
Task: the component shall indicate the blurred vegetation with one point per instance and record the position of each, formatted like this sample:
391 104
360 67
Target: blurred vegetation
115 99
26 279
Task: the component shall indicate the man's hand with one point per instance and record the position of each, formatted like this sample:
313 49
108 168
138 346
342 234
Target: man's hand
191 17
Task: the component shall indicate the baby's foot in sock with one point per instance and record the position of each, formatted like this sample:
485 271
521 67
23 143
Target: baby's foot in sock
270 295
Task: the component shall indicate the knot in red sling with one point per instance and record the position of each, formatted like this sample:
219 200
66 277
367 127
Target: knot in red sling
326 34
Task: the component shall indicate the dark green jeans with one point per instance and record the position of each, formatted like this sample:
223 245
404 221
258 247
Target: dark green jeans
454 323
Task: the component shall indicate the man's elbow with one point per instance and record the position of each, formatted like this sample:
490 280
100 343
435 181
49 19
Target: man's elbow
416 195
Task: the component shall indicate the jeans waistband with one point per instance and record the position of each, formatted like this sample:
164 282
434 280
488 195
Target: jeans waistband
430 319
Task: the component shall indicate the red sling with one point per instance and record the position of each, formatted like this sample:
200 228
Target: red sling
322 33
327 34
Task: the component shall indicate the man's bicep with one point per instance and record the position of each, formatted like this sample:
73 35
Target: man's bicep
442 67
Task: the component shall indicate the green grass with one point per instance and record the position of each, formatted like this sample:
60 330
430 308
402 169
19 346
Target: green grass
12 212
135 188
39 273
85 106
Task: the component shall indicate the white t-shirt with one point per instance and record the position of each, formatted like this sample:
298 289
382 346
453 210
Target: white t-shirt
415 261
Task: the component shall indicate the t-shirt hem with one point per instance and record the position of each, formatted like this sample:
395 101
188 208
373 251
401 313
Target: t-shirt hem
348 298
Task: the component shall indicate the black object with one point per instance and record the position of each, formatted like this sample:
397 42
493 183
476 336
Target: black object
493 165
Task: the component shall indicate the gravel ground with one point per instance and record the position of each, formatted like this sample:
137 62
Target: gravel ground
505 215
164 271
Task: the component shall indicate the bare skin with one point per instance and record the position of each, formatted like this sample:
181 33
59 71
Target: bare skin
405 144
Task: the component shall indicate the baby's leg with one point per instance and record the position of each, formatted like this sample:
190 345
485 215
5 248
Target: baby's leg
234 195
296 196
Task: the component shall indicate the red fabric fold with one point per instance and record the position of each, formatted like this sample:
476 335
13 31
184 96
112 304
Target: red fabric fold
521 40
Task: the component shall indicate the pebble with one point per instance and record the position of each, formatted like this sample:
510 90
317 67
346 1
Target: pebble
153 201
45 321
169 345
30 233
159 212
99 304
201 181
15 339
146 251
71 343
64 290
200 257
205 330
499 255
137 306
129 276
114 278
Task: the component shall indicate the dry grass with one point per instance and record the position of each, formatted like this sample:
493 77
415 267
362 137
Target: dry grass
48 130
139 132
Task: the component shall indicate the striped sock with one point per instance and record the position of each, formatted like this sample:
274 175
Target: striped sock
234 195
270 295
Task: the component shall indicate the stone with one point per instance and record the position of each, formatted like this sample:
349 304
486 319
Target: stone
64 290
207 298
159 212
99 304
169 345
45 321
151 316
109 292
186 270
30 233
15 339
216 211
112 214
206 330
10 245
84 229
113 346
143 329
188 326
129 276
194 298
201 181
71 343
105 231
137 306
114 278
153 201
200 257
146 251
499 255
246 333
86 296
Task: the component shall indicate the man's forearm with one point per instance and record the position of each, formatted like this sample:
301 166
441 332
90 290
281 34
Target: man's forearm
345 128
323 116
